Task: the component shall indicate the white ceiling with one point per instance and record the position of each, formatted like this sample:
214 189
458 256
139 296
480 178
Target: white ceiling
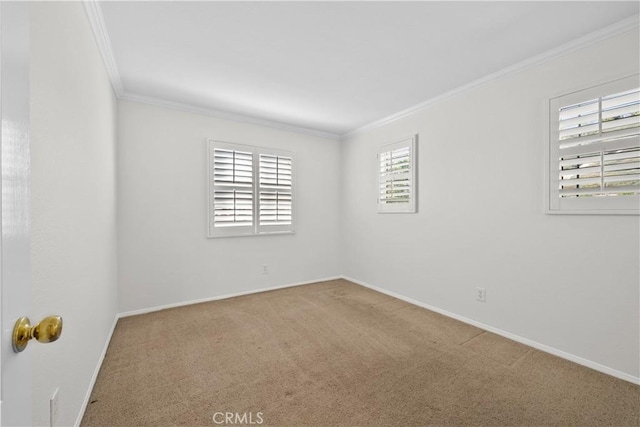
331 67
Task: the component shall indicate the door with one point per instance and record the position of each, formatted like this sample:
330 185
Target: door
15 247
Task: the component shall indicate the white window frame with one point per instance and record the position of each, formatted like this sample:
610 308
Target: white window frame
412 206
605 205
255 229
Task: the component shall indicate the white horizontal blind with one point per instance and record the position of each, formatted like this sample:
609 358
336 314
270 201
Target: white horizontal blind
232 208
250 190
595 149
232 197
275 192
233 167
396 176
603 173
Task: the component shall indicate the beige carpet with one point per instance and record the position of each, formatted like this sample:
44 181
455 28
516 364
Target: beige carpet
338 354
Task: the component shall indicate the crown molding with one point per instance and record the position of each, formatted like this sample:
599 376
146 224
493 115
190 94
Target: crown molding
96 21
620 27
225 115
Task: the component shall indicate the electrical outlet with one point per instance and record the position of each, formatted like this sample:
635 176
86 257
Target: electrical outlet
265 269
481 294
53 407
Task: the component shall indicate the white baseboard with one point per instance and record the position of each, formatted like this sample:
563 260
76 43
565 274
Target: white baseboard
542 347
92 383
220 297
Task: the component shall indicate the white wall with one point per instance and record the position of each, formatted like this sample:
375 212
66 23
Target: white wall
73 204
569 282
164 256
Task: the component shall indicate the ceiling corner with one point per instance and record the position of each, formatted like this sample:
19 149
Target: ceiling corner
96 21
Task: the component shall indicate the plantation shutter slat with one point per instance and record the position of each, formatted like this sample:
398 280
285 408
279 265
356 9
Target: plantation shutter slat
630 166
618 123
571 123
567 173
617 111
603 143
582 130
624 98
598 146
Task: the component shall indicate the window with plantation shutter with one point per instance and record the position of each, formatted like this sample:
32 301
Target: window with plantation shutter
250 190
397 176
594 150
275 192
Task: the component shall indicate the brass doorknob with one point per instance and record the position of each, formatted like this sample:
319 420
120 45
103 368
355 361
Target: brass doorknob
48 330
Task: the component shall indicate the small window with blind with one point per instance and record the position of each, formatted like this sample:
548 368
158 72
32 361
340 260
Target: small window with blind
397 176
250 190
594 150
